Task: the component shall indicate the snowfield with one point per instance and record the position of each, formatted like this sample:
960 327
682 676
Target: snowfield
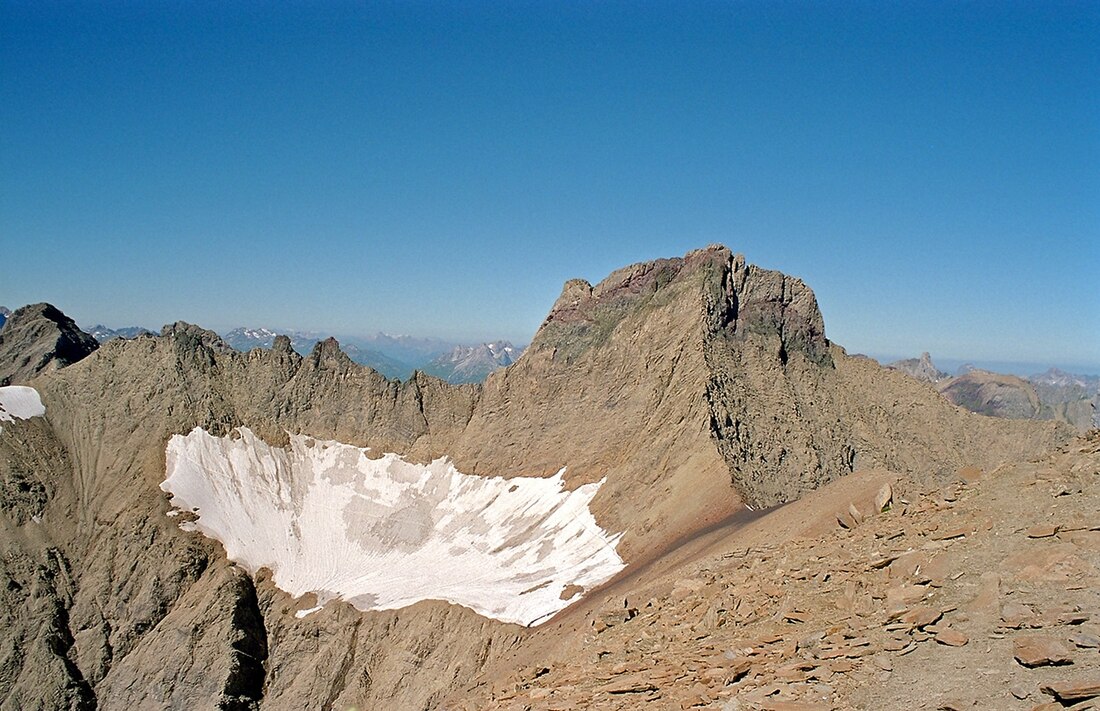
386 533
19 402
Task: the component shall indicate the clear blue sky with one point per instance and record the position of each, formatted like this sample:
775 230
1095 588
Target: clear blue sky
932 170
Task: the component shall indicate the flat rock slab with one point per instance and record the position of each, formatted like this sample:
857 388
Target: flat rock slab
1039 650
1071 691
951 637
632 684
1085 640
921 616
1043 530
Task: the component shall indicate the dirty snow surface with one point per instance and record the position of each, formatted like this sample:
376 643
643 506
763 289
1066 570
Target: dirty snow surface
19 402
386 533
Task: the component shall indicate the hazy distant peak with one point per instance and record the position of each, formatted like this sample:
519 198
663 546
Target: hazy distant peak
472 364
103 334
920 368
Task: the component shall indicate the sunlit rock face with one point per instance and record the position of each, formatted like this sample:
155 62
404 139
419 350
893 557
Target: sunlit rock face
385 533
18 402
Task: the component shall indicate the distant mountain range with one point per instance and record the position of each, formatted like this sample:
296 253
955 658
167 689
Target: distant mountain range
394 356
103 334
472 364
1052 395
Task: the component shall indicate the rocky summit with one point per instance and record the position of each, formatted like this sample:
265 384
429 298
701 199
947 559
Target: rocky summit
39 337
784 526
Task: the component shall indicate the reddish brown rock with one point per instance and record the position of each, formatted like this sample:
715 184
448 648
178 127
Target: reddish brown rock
1071 691
951 637
1043 530
1040 650
921 616
1016 615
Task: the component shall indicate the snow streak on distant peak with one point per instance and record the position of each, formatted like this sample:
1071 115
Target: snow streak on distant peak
386 533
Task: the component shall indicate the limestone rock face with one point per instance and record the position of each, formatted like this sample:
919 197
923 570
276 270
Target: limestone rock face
37 338
692 386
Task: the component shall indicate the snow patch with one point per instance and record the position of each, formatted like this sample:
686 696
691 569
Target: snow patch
385 533
18 402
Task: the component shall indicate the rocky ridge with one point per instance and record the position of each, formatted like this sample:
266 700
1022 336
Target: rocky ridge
1053 395
995 395
692 385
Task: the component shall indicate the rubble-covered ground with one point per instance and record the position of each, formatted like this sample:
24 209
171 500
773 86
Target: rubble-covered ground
982 593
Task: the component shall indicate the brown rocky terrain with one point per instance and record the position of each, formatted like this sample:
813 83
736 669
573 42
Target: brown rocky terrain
876 591
995 395
693 386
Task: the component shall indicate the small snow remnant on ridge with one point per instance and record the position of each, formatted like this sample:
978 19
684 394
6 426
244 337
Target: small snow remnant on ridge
386 533
19 402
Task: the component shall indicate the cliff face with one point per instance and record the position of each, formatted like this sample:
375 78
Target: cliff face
691 385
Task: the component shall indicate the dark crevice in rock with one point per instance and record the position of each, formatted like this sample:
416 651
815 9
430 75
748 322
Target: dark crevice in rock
244 686
61 643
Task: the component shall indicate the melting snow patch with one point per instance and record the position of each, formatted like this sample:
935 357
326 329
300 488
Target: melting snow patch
19 402
386 533
303 613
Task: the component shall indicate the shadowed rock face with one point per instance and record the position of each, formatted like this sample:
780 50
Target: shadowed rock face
692 385
37 338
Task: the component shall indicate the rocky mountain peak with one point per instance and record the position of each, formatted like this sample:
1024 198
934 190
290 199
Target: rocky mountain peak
920 368
328 350
40 337
191 337
736 299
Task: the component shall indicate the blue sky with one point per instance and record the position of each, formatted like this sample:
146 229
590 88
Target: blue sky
932 170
